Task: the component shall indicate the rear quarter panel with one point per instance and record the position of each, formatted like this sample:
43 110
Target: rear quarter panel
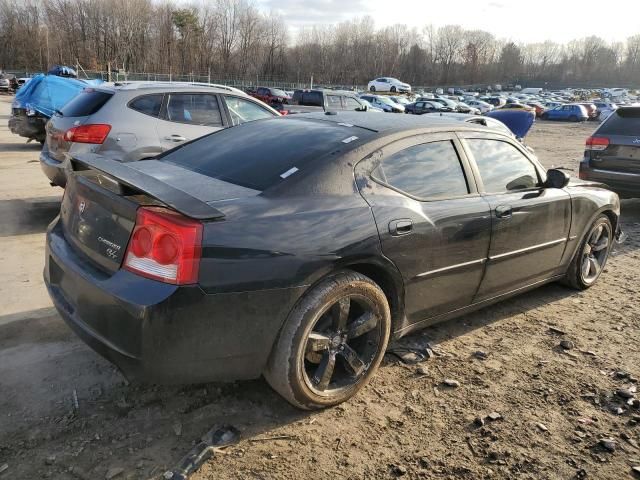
587 202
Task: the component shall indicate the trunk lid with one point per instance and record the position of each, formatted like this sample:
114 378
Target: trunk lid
99 208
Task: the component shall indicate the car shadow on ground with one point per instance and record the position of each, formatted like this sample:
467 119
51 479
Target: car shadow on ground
20 147
28 215
77 398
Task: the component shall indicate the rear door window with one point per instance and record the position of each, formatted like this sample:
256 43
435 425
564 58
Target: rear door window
624 122
425 171
147 104
86 103
194 109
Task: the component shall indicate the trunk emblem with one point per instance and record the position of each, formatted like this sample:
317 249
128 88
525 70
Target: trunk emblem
81 207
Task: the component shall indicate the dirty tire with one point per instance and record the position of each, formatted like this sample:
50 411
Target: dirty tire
575 276
296 354
372 88
394 89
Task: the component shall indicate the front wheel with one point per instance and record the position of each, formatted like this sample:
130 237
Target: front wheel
372 88
573 118
591 257
332 342
394 89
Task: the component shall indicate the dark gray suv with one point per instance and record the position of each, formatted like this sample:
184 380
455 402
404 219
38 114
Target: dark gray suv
612 153
134 121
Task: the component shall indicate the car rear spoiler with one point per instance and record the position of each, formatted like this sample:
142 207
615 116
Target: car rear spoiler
125 177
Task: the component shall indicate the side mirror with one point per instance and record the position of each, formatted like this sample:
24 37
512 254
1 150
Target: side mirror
556 178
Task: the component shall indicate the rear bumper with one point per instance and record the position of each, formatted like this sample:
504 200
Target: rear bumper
625 184
28 127
53 169
156 332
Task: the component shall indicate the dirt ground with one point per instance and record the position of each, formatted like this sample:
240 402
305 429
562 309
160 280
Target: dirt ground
65 413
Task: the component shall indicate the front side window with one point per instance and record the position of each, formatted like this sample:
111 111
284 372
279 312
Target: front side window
425 171
243 110
502 166
333 101
194 108
351 103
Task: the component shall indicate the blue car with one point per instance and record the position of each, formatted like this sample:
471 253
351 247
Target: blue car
572 113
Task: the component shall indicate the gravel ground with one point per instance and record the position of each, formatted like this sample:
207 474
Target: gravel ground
67 414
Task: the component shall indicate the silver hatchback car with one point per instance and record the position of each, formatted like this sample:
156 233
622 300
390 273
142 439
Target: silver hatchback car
139 120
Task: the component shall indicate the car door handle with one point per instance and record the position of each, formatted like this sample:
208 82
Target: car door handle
504 211
399 227
175 138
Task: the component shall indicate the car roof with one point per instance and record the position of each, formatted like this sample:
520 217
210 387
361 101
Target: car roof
388 122
169 86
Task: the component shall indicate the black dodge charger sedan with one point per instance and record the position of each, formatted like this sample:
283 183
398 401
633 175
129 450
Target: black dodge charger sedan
296 247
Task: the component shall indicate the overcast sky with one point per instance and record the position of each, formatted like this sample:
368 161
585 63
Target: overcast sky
524 20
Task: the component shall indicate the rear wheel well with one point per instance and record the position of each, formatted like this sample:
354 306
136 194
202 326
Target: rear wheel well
385 281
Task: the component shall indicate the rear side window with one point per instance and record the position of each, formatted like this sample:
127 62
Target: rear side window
624 121
333 101
502 166
147 104
86 103
311 99
259 155
428 170
194 108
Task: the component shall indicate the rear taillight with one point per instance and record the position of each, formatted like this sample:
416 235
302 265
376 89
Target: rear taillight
165 246
95 133
582 173
597 143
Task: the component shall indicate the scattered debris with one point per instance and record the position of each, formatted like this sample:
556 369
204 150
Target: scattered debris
481 354
177 428
203 451
410 355
557 331
399 470
4 467
624 393
542 427
276 437
608 444
451 383
493 416
50 460
567 344
422 370
479 421
76 405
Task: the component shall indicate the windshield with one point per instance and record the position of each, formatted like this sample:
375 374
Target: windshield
386 101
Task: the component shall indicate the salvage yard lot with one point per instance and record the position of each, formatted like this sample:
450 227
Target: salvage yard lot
65 413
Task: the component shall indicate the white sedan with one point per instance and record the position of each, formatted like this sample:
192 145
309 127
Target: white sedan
484 107
388 84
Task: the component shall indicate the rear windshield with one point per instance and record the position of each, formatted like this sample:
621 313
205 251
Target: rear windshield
624 121
87 102
261 154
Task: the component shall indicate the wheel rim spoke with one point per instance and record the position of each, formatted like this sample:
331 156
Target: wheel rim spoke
324 372
601 245
594 266
317 342
586 267
353 361
340 313
595 236
361 325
